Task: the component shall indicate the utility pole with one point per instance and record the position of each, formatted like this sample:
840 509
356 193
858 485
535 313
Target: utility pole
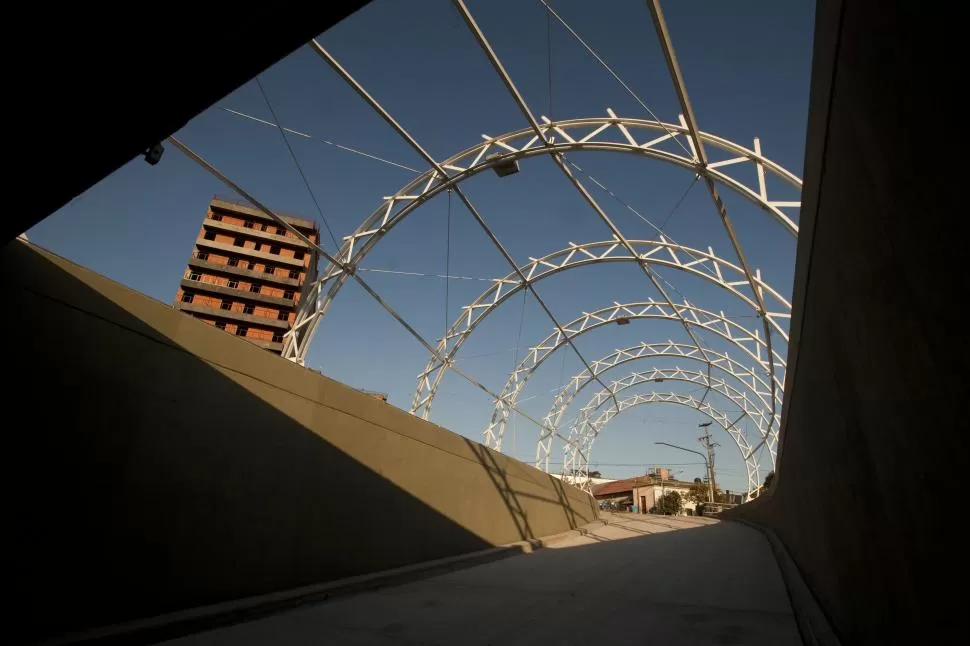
706 441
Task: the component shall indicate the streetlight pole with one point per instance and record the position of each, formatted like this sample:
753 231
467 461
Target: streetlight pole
707 463
706 439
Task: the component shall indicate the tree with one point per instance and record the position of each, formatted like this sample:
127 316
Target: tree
669 503
769 479
699 492
595 474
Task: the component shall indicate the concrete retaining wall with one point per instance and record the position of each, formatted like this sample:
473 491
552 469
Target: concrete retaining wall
872 455
158 464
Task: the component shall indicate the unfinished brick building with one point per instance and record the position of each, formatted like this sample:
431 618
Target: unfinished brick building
246 273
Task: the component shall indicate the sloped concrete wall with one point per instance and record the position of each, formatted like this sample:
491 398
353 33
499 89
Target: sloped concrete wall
157 463
869 491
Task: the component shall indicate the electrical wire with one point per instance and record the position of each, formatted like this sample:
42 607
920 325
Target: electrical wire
312 138
614 75
296 161
422 275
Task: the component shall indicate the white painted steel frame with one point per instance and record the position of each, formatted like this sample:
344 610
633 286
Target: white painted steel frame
610 134
576 453
582 425
746 340
750 379
663 253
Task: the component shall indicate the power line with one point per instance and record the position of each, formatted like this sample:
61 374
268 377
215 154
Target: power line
296 161
422 275
447 266
311 137
614 75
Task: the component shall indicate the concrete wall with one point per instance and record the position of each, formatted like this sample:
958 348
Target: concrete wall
872 421
155 463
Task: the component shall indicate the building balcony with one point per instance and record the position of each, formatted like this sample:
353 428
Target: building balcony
222 268
219 313
252 254
272 238
236 293
232 206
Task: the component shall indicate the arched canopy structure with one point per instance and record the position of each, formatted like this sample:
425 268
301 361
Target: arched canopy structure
753 383
748 341
661 253
612 133
577 451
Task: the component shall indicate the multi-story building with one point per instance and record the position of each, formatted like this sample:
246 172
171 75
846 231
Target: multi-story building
246 273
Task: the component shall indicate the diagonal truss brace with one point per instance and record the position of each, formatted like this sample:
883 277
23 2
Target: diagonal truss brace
442 175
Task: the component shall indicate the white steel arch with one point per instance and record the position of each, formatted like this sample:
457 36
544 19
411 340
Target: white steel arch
710 383
748 341
576 453
661 253
612 133
753 382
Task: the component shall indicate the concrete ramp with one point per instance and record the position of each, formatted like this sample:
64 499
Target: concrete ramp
159 464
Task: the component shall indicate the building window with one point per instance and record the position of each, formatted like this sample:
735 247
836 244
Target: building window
295 273
275 249
259 245
194 276
248 224
221 325
278 337
248 309
263 228
187 297
269 269
254 288
239 242
202 255
226 305
280 231
233 262
210 235
283 316
241 330
233 284
251 265
288 295
298 255
216 217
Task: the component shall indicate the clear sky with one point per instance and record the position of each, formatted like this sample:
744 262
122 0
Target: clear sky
746 65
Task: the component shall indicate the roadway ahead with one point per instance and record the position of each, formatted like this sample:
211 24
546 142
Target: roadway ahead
635 580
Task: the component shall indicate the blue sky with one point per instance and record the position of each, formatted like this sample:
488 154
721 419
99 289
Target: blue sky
747 70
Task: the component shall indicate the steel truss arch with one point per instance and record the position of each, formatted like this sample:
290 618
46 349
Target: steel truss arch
748 341
739 399
610 133
576 455
662 253
725 364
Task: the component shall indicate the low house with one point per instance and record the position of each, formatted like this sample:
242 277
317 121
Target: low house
640 494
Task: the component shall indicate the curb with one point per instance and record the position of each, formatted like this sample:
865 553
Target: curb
812 623
185 622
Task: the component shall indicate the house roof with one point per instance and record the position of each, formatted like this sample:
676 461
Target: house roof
623 486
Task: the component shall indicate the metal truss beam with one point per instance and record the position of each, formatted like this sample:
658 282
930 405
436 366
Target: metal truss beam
574 460
540 132
732 332
441 174
697 145
612 134
662 253
723 363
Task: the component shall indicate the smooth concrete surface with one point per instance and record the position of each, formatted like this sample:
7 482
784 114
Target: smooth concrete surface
638 580
157 464
873 462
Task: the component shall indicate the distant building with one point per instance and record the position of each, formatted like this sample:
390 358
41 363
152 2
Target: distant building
643 492
247 274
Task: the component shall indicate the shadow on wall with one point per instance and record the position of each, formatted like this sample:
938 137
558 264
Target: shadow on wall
146 479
